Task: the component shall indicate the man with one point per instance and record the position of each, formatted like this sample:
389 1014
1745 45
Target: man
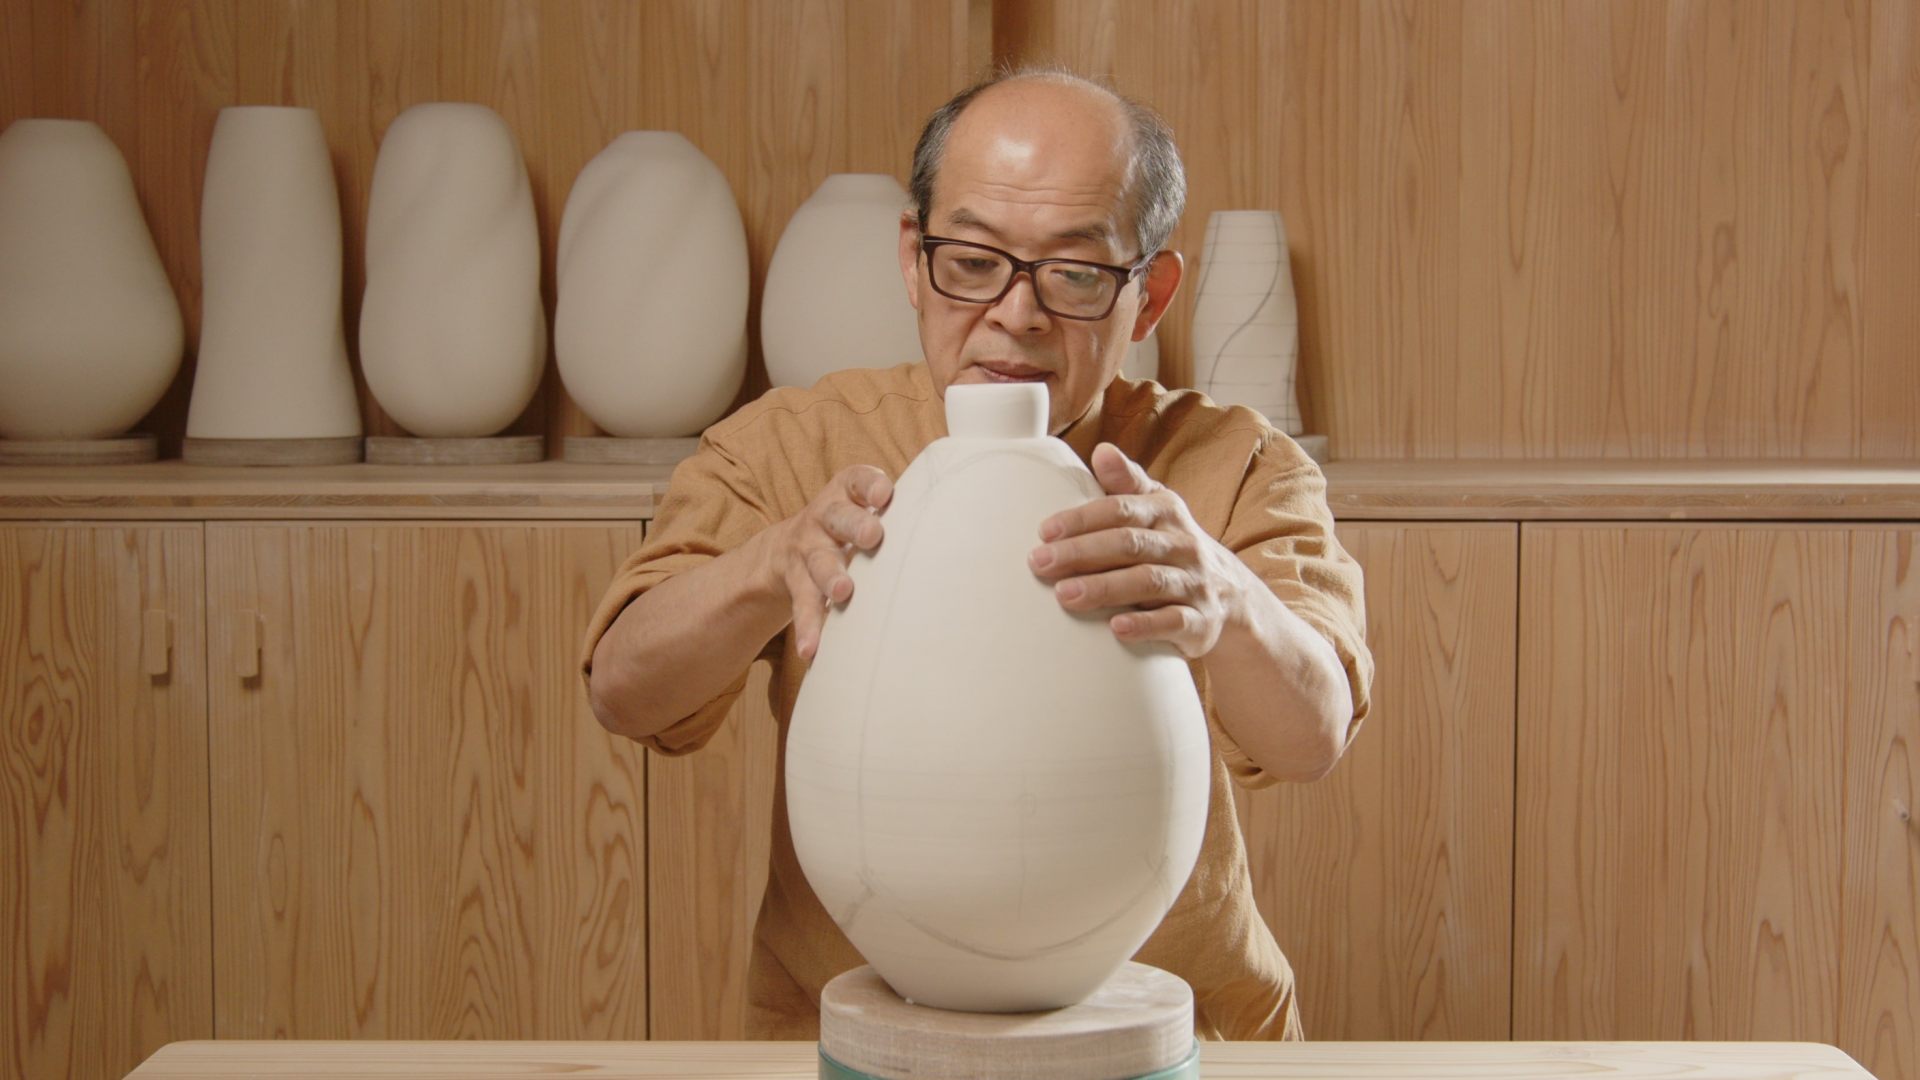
1033 253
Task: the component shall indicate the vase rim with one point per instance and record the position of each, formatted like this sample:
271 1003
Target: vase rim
266 109
861 180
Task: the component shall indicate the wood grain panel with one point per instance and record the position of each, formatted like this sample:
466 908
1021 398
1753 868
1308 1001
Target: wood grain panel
1889 389
106 953
1880 950
709 834
419 829
763 89
1388 883
1680 756
1569 229
188 70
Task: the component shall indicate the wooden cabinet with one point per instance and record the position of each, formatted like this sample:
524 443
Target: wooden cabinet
105 952
419 831
1716 769
1388 881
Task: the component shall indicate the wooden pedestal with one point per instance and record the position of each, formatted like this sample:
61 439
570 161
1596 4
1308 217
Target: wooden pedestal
1138 1025
492 450
123 450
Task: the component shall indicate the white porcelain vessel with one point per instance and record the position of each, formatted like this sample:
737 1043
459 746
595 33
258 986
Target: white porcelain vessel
650 332
834 298
996 800
272 361
1143 358
1246 321
90 333
452 332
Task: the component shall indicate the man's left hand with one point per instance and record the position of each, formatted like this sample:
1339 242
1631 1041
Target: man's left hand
1138 548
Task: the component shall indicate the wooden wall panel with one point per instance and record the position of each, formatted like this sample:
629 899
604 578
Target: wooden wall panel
1880 953
419 830
105 954
1890 393
1388 883
1571 229
779 95
1680 761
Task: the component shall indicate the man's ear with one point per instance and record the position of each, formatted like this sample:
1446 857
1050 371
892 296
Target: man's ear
1162 282
910 256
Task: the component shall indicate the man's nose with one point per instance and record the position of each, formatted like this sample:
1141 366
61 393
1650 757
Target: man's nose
1019 311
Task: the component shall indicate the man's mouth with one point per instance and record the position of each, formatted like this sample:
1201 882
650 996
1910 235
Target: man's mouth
1006 372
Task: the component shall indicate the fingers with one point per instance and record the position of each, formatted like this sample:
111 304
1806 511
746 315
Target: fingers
1178 625
1118 474
809 613
867 486
1148 585
1111 512
1110 549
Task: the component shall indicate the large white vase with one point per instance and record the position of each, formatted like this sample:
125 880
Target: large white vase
650 333
273 351
90 333
452 332
834 298
996 800
1246 322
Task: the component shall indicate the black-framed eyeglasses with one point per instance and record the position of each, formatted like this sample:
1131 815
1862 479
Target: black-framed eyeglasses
1070 288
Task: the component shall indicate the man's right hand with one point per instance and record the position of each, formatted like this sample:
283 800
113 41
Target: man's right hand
810 550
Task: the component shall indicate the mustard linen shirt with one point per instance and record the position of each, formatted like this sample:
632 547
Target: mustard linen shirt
1245 483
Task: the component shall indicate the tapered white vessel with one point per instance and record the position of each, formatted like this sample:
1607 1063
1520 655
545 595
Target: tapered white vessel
272 363
90 333
995 800
650 333
1143 358
453 334
834 298
1246 320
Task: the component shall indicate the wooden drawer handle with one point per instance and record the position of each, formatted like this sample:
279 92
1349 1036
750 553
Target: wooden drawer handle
156 643
247 635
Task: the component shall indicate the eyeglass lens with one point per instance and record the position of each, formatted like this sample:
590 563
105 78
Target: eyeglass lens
1069 288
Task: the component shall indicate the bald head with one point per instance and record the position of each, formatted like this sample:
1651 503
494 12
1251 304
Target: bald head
1041 125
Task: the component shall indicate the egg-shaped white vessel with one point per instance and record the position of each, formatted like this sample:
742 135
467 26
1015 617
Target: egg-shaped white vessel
90 334
650 332
834 298
996 800
453 334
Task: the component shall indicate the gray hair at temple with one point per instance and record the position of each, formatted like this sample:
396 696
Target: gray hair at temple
1156 181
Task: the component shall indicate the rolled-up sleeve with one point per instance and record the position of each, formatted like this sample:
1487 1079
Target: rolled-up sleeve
711 508
1282 529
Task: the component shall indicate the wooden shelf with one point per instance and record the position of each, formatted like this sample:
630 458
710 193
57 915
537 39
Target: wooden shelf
176 490
1357 490
1624 490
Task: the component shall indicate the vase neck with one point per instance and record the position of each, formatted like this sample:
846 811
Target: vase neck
1004 411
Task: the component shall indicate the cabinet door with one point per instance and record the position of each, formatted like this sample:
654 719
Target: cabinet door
419 830
709 821
1880 903
1388 882
104 947
1683 728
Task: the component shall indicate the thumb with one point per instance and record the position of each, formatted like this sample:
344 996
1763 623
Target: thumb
1117 474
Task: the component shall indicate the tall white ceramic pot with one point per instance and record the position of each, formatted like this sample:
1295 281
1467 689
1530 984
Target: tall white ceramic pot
1246 322
996 800
650 333
273 351
834 298
452 331
1143 358
90 333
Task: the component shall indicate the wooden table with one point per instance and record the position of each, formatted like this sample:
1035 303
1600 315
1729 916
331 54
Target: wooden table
796 1060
